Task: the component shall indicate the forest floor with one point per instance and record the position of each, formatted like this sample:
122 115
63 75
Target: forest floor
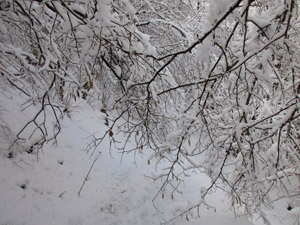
42 189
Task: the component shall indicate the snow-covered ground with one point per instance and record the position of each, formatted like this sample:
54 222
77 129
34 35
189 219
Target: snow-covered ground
43 189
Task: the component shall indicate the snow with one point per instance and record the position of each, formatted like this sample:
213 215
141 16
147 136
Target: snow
2 27
64 183
43 189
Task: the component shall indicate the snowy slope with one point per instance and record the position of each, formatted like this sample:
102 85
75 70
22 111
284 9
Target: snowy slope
43 189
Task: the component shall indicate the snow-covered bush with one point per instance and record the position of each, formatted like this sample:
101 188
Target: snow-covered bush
55 52
225 101
218 92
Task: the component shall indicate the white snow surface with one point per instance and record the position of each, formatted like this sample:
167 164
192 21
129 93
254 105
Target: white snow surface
43 189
